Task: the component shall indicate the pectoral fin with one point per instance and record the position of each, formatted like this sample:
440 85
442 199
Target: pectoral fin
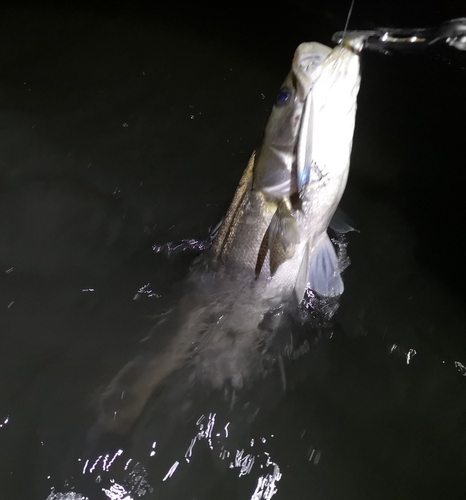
283 225
280 238
324 275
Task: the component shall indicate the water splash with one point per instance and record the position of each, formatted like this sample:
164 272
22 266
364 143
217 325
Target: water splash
5 421
461 368
172 248
144 290
135 483
71 495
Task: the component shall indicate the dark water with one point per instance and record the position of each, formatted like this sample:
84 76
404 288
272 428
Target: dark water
128 126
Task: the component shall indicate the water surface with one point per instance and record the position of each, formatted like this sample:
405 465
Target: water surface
124 132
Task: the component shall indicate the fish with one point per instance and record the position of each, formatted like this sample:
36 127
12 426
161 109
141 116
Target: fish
271 246
276 227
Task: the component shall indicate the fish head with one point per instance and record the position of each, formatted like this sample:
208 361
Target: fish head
306 65
275 159
283 126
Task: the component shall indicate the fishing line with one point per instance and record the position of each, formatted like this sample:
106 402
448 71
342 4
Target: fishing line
347 20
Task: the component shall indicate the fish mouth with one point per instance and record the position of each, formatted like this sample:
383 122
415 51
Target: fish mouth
309 63
306 65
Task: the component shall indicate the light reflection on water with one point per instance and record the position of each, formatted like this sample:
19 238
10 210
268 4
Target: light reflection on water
71 495
173 248
252 459
461 368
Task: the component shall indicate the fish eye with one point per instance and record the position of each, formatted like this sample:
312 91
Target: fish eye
283 97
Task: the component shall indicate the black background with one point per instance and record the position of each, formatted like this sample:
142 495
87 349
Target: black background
127 124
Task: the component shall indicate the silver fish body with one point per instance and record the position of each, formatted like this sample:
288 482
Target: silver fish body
323 105
272 244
